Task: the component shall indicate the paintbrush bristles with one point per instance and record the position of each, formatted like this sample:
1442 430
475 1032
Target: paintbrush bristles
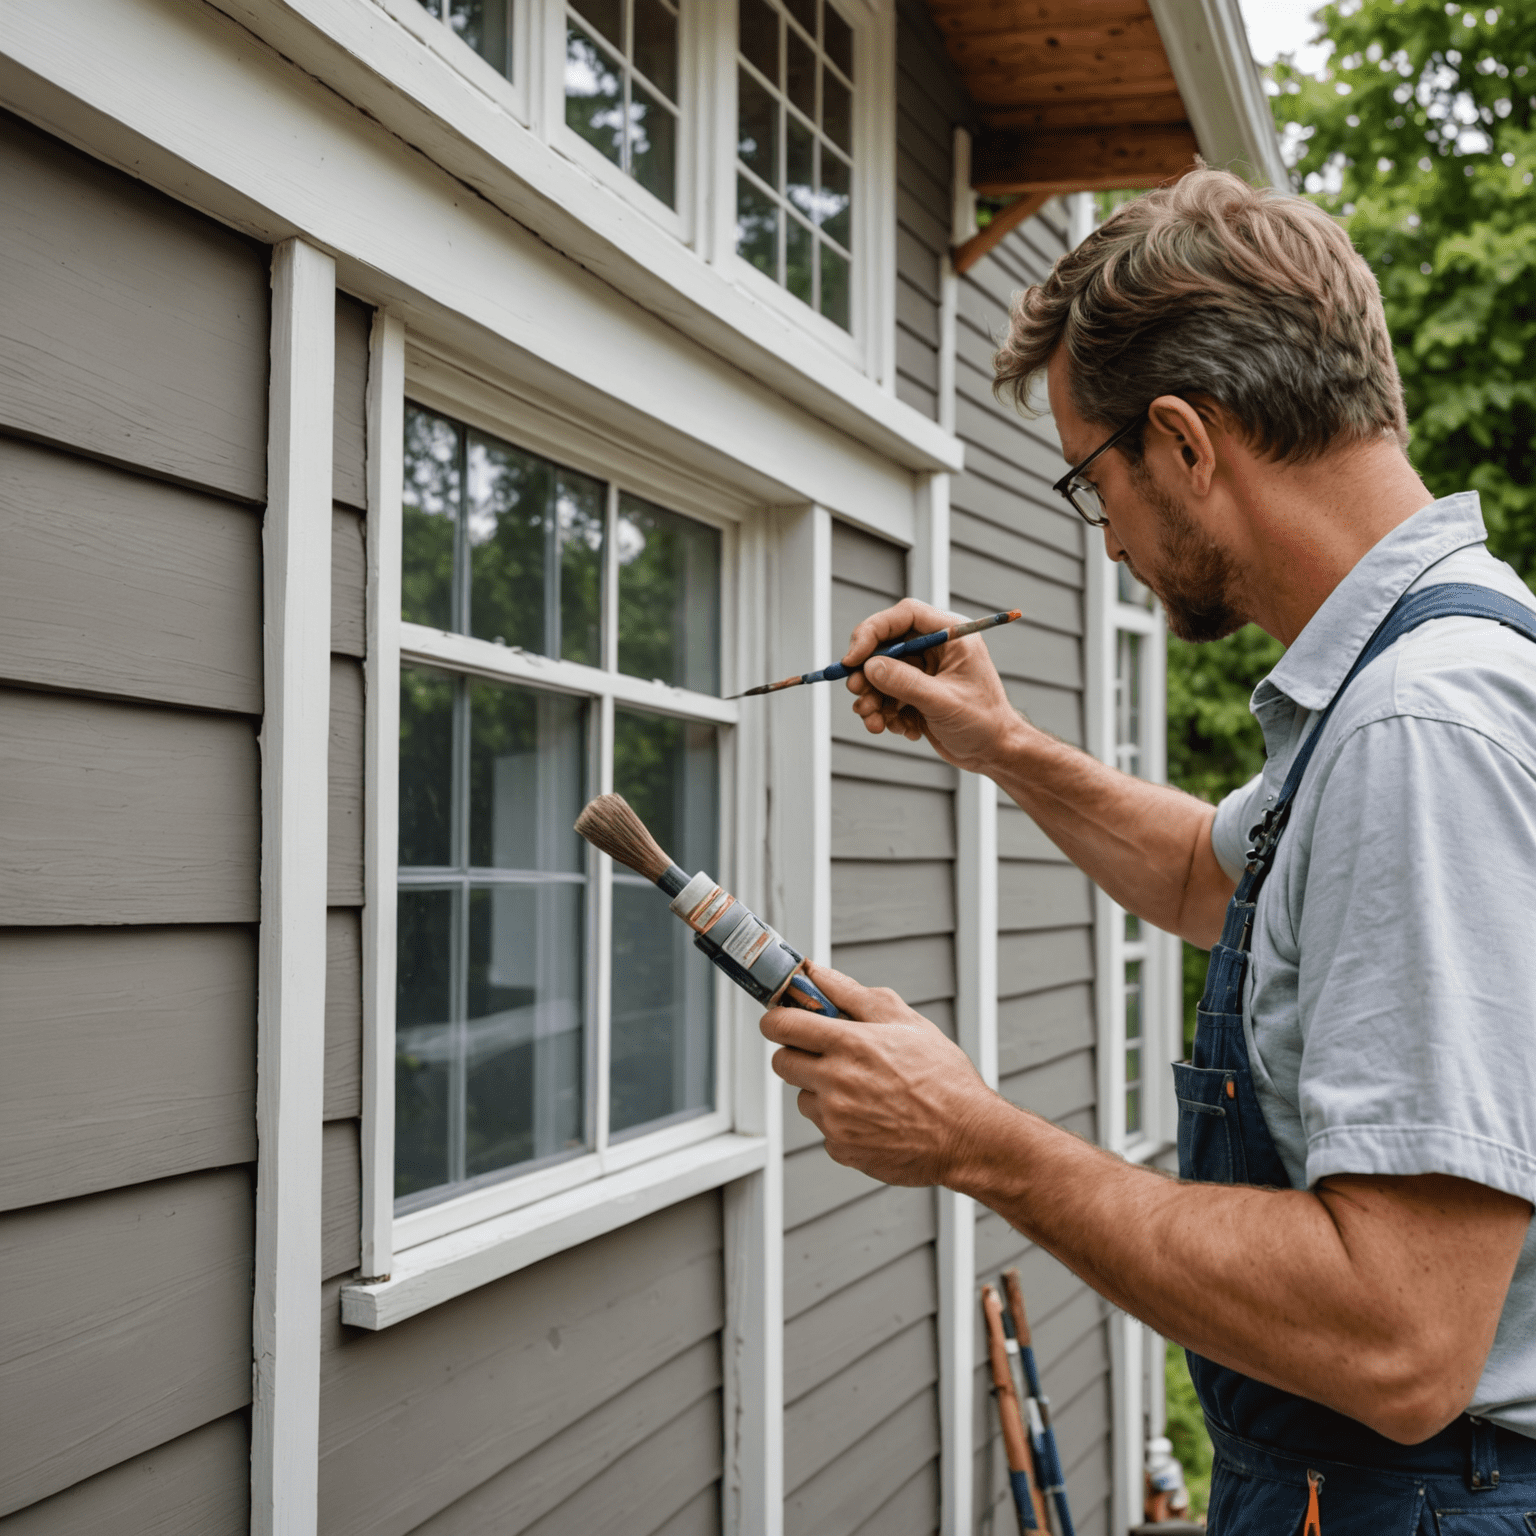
609 824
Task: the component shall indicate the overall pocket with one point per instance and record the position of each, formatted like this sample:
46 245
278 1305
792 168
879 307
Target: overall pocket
1210 1139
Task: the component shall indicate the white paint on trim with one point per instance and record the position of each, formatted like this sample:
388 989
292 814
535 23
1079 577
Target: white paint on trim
386 381
437 1271
295 736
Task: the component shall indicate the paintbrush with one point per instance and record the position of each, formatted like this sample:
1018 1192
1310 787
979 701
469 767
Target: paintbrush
913 646
734 939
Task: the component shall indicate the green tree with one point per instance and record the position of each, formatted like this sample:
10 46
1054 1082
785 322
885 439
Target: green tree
1420 136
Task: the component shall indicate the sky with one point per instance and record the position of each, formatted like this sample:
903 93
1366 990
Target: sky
1283 26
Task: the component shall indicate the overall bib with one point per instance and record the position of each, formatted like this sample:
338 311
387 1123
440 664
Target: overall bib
1273 1449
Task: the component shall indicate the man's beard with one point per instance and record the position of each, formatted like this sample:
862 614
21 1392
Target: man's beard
1194 578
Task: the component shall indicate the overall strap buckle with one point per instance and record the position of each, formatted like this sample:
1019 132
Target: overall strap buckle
1265 836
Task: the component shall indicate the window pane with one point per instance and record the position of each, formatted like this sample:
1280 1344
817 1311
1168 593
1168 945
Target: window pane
426 768
652 144
663 1026
669 597
837 112
801 73
834 287
655 52
508 527
837 39
423 1038
757 127
527 780
759 24
483 25
834 204
1132 928
428 516
799 152
607 16
579 518
523 1036
804 11
757 228
1133 1111
1128 664
1133 1000
594 95
797 260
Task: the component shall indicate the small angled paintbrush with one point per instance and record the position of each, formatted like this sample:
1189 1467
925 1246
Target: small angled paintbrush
914 646
734 939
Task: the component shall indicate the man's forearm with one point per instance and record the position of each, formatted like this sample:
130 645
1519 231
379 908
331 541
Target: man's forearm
1282 1285
1147 845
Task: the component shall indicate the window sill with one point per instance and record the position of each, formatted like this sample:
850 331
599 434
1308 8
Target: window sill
437 1271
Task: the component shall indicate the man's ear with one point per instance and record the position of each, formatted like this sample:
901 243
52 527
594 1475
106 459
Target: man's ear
1182 433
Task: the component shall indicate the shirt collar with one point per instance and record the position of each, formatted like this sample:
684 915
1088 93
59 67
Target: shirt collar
1320 657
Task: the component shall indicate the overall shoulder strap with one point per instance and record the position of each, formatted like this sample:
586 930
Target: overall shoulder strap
1453 600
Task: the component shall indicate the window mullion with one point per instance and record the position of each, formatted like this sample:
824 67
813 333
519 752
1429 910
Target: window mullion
602 1012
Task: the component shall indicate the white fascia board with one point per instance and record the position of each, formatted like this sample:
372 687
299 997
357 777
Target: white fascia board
1207 47
437 1271
356 49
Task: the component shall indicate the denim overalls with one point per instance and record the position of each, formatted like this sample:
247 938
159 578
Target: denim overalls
1469 1479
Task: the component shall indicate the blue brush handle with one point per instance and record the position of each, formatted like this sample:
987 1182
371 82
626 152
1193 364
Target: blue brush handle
811 998
1019 1481
913 647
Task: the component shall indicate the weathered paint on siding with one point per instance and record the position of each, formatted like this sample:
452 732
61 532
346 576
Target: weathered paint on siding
133 395
1014 545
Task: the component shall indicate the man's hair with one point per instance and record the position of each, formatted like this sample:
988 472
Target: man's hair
1252 298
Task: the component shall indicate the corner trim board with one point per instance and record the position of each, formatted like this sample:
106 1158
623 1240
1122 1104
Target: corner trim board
295 737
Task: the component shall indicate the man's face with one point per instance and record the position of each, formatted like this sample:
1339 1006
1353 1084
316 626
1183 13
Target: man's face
1151 529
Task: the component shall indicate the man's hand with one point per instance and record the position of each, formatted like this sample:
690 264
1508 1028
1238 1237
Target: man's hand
895 1098
950 694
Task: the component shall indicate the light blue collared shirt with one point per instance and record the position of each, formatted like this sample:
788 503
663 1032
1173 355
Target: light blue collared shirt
1391 1007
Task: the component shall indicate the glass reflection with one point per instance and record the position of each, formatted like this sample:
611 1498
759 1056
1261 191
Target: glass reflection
834 203
428 518
483 25
655 50
798 269
757 127
594 95
757 227
423 1038
799 165
652 144
669 597
426 768
834 287
801 73
662 1041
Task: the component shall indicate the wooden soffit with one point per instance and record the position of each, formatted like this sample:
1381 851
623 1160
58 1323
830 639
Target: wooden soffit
1071 95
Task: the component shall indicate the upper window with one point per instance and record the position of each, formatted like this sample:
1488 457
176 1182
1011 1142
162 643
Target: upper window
794 149
486 25
513 1048
621 87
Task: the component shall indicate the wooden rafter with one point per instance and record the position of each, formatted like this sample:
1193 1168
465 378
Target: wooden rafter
1079 159
969 252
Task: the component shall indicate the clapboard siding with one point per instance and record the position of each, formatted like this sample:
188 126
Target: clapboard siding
349 418
344 886
341 1186
130 1055
558 1470
130 328
127 1322
872 820
921 969
116 584
417 1417
821 1256
125 814
873 901
1015 544
349 583
912 1511
196 1485
343 1013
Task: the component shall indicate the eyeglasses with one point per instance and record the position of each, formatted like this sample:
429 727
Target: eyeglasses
1083 494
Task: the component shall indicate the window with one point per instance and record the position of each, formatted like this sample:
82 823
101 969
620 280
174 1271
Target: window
621 87
794 149
486 25
514 1048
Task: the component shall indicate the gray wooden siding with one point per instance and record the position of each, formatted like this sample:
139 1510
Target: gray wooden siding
860 1340
1013 544
133 394
929 103
581 1394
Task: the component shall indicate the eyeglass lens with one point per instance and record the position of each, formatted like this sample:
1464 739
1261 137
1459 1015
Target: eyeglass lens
1086 498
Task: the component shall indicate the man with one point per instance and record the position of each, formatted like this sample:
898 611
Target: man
1348 1255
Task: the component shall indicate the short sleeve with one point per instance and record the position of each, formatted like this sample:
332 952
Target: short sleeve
1229 832
1417 975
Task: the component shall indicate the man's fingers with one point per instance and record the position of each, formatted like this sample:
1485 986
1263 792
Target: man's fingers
801 1029
850 996
891 624
909 685
797 1068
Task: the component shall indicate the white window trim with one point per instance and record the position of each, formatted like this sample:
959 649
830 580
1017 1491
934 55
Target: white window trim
418 1258
514 95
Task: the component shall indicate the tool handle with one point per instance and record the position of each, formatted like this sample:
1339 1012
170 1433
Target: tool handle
802 992
899 648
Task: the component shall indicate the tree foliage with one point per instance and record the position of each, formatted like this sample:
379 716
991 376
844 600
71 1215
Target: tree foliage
1420 135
